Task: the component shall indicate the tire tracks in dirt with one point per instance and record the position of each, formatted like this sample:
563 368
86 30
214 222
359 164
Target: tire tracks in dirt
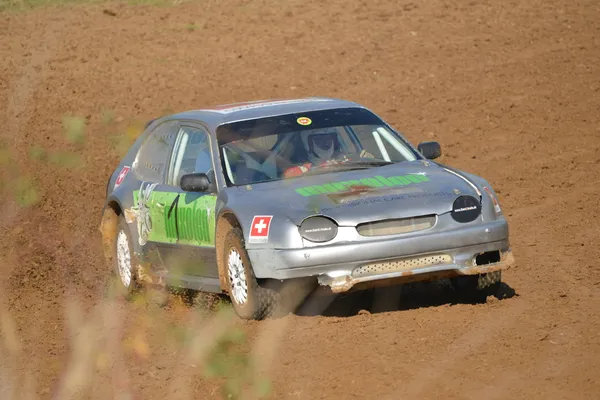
509 89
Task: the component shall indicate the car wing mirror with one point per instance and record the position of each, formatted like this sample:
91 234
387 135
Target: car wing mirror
196 182
430 150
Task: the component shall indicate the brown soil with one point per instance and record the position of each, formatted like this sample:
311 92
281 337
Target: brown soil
510 88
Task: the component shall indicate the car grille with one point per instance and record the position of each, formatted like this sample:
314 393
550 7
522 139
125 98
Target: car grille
405 264
396 226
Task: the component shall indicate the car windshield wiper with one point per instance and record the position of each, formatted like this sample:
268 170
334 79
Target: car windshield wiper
368 163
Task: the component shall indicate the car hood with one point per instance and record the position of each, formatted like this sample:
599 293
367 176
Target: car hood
353 197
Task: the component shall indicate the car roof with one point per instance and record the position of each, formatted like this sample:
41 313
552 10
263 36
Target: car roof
226 113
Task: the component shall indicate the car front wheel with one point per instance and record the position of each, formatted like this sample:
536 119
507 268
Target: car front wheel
124 260
250 300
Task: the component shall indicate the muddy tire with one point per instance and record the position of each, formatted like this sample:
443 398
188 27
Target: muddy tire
124 261
477 287
250 300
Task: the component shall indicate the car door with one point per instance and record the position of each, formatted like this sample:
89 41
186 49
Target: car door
150 168
189 245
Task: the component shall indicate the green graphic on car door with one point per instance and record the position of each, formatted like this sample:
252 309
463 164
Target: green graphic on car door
151 210
196 220
160 218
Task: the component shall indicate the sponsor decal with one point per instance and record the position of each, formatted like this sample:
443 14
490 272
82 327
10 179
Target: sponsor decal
385 199
192 221
465 209
122 176
259 230
318 229
352 194
141 212
304 121
258 104
171 217
374 182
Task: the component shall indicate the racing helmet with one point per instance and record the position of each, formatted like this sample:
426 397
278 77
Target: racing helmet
321 145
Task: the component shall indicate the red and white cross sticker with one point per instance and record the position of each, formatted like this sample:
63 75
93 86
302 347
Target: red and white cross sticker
121 176
259 231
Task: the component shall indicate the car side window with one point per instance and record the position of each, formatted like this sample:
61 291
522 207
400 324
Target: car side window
192 154
151 161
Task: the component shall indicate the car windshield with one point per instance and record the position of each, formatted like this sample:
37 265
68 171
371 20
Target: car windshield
293 145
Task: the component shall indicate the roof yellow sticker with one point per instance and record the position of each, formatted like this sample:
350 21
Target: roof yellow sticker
304 121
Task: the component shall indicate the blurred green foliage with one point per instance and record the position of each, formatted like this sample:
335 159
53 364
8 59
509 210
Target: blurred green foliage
38 153
108 116
25 192
122 141
229 360
263 387
74 129
226 362
65 159
5 157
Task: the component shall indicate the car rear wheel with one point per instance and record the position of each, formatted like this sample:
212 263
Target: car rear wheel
250 300
478 287
125 260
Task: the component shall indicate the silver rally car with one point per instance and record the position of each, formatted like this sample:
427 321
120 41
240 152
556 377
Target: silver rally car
231 198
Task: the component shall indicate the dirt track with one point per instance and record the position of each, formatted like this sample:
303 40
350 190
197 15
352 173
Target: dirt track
510 89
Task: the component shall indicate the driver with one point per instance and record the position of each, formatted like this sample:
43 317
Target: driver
322 149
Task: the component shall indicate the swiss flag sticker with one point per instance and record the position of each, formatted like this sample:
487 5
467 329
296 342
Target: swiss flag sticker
259 231
122 176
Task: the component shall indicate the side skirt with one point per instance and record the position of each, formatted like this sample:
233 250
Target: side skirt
211 285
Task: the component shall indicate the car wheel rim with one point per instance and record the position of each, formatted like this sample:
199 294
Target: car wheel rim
124 258
237 278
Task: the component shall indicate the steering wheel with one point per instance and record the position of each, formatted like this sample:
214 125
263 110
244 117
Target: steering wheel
298 170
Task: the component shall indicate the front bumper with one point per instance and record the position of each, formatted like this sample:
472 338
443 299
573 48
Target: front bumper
344 265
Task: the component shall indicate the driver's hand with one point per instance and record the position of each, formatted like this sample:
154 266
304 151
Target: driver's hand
366 154
297 170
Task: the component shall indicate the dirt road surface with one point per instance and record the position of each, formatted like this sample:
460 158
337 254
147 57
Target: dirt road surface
511 89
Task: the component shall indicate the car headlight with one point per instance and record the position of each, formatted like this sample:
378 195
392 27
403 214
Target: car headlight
318 229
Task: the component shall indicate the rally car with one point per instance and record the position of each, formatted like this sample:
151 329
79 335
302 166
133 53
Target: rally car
230 198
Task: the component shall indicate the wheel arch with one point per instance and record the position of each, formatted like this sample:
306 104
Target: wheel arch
108 228
226 221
